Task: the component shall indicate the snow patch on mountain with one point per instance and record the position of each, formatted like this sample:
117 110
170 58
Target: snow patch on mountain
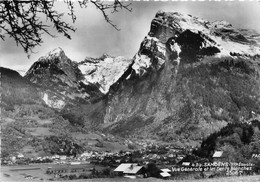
160 46
53 102
218 33
141 63
151 49
104 72
227 47
55 53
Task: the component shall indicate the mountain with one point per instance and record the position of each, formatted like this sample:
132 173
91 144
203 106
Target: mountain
56 72
16 90
55 65
103 71
80 88
190 78
57 103
88 80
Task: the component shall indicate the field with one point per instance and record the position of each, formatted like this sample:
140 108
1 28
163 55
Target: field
36 171
12 173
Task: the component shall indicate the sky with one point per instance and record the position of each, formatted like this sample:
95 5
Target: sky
94 36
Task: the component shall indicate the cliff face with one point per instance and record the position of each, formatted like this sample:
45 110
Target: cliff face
87 81
189 78
59 77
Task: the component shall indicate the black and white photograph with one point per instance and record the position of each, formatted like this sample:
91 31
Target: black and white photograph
129 91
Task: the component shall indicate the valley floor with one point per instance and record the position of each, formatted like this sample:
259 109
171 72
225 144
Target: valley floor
224 179
255 178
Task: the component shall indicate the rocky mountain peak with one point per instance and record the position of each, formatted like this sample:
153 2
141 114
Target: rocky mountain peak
190 77
56 51
221 24
55 56
186 35
221 34
97 59
54 62
105 55
58 73
103 71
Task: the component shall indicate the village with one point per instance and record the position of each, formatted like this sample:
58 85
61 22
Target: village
163 154
92 164
159 161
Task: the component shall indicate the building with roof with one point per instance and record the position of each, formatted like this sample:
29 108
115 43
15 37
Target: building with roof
63 157
133 170
123 167
217 154
20 156
130 170
165 174
166 170
68 169
186 163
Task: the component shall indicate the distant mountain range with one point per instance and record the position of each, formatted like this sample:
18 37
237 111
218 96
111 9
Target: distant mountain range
190 78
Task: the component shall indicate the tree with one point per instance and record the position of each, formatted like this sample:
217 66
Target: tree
255 143
152 170
21 20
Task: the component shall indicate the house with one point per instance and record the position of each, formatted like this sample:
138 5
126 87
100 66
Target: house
186 163
166 170
218 156
20 156
56 157
75 163
130 170
13 158
123 167
180 156
133 170
68 169
165 173
63 157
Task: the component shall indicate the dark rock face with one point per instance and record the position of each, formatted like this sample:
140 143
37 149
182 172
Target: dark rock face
57 73
184 84
54 68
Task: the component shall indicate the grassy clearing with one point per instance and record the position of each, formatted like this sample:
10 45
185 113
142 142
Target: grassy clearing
40 131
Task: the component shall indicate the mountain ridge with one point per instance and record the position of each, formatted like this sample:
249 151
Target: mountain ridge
189 78
185 84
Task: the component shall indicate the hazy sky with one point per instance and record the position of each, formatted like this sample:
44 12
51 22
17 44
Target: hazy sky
94 36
